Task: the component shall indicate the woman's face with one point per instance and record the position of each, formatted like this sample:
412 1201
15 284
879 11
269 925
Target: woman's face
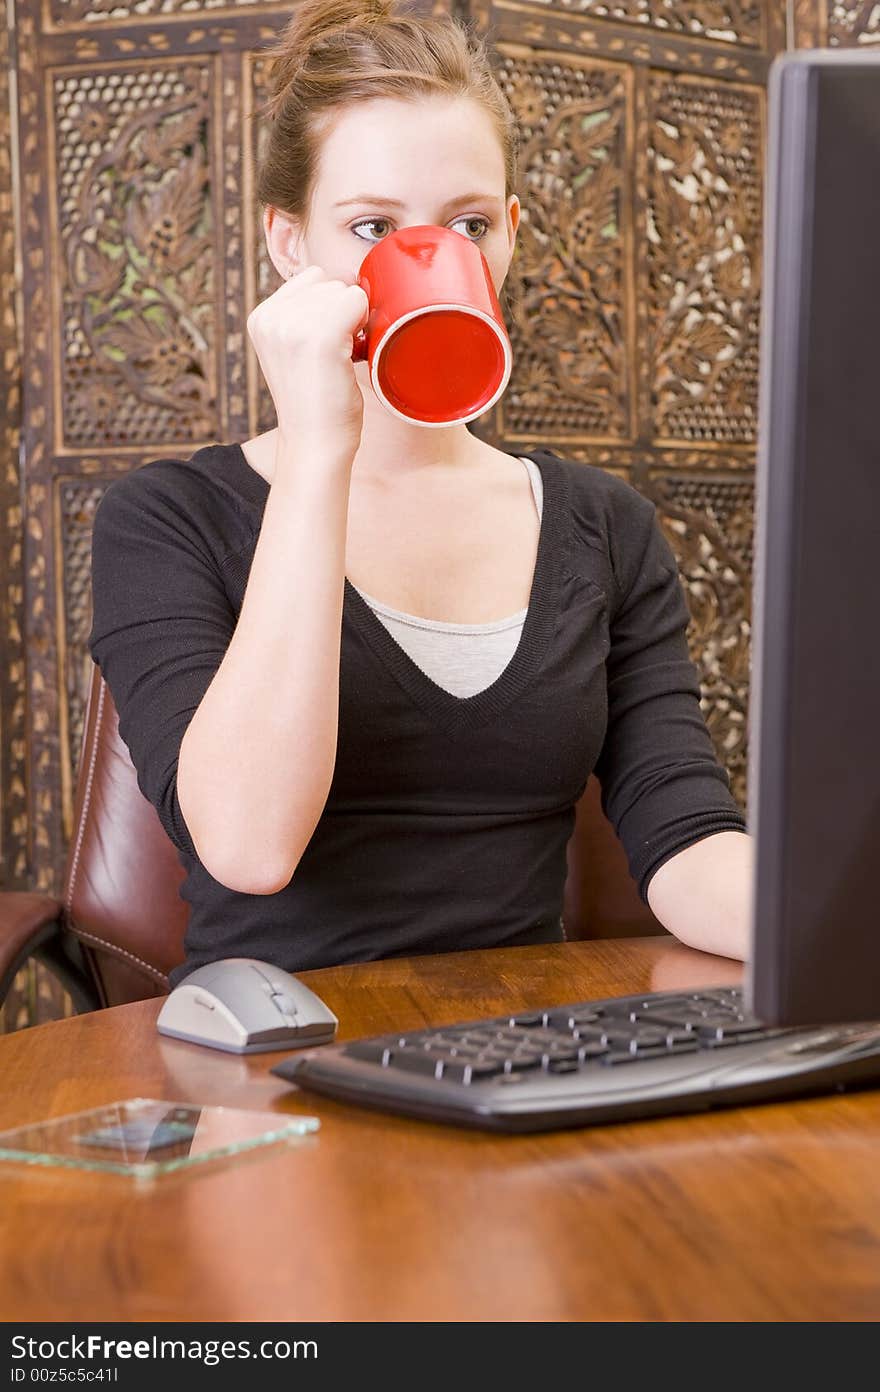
389 163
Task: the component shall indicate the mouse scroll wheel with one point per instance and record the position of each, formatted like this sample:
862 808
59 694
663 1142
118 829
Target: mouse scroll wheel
284 1003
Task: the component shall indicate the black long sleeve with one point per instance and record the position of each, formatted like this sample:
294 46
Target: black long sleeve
162 620
662 786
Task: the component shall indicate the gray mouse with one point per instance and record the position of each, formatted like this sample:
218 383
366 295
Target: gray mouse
246 1006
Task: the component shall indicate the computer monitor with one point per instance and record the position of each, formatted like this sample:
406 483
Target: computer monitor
814 717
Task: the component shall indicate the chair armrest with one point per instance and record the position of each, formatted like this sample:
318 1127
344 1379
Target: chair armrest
31 925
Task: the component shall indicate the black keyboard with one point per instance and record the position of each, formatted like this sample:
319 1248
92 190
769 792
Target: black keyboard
598 1061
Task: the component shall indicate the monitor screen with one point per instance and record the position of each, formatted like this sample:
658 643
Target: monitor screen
814 715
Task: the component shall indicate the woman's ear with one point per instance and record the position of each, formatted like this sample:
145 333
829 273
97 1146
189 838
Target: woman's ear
512 221
283 238
513 211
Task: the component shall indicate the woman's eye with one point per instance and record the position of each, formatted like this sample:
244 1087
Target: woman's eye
482 226
368 222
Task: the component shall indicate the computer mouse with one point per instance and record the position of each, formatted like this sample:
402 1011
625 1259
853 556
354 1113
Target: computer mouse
246 1006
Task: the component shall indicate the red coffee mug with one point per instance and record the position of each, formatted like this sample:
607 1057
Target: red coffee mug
435 338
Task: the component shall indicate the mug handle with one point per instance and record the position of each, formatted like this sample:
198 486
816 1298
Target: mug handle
360 351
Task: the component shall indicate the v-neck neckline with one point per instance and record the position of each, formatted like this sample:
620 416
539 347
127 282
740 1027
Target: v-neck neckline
468 712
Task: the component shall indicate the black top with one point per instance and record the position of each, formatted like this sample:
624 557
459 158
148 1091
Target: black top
447 819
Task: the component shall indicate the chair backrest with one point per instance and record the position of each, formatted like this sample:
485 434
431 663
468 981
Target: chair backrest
123 875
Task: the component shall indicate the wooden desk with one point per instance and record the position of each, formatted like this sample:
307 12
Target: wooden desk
760 1213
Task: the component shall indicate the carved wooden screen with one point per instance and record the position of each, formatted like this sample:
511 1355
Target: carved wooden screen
139 269
633 305
13 775
637 300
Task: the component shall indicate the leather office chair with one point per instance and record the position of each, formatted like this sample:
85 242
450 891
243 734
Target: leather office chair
118 930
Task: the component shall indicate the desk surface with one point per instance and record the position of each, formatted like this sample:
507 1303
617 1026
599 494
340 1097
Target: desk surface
759 1213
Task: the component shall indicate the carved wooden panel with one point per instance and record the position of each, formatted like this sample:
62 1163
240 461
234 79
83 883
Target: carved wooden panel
13 727
68 14
13 866
77 499
129 152
853 23
708 521
834 24
703 235
731 23
266 279
807 24
569 304
639 262
132 206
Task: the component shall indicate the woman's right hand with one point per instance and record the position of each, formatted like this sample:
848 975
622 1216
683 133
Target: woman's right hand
303 335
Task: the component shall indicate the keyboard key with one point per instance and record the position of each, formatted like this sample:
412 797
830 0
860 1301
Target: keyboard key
466 1072
628 1056
718 1029
664 1005
568 1019
679 1036
670 1020
369 1051
719 1038
418 1061
638 1043
590 1034
558 1053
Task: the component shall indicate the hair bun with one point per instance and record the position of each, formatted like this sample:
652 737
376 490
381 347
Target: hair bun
315 20
311 24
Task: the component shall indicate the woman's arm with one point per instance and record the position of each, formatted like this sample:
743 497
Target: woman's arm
256 761
663 788
703 894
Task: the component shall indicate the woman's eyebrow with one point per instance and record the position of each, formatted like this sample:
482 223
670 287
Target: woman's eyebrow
397 203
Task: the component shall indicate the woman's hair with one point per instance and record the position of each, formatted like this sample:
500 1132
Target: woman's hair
334 53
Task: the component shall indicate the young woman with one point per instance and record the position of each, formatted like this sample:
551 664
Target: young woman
365 668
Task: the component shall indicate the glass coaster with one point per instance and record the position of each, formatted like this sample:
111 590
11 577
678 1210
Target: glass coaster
142 1137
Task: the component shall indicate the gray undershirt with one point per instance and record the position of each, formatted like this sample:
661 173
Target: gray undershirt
461 658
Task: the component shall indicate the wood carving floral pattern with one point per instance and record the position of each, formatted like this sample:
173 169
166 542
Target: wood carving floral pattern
853 22
709 525
704 237
135 220
567 271
267 278
726 21
67 13
13 727
77 502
